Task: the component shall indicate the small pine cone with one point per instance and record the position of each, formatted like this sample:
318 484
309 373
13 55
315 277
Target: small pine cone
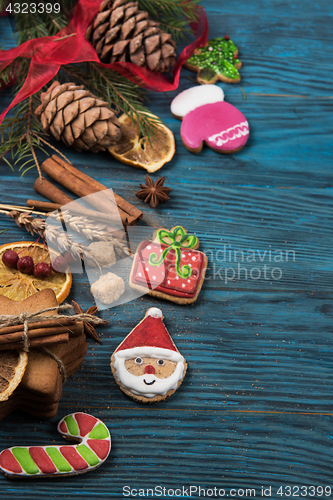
123 33
78 118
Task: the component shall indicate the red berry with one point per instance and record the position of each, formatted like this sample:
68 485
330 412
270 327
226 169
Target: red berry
42 270
227 37
71 259
10 258
25 264
59 264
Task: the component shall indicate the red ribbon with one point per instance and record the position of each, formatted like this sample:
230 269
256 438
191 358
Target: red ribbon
69 46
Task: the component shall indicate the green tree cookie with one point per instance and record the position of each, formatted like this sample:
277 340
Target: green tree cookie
217 60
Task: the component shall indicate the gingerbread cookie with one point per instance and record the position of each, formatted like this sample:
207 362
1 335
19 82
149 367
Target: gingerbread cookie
208 119
170 267
147 365
40 389
50 461
217 60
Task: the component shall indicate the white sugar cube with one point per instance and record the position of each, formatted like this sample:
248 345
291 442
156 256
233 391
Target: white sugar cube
108 288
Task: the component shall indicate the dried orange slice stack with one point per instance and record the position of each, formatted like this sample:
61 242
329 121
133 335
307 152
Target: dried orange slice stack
12 368
135 150
18 286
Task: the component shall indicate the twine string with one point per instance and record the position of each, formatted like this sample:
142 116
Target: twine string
61 365
25 332
11 320
28 317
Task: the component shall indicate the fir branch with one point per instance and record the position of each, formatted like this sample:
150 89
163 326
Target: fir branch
39 24
9 72
174 16
22 134
28 137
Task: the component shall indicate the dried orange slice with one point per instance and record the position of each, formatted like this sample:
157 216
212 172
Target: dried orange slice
12 368
135 150
18 286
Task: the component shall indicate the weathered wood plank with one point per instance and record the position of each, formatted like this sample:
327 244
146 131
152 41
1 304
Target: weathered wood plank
288 147
259 351
282 49
246 351
252 450
255 238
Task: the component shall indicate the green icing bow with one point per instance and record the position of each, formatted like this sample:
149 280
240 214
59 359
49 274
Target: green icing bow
179 238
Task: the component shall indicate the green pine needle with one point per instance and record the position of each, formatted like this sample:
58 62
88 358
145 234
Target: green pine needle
173 15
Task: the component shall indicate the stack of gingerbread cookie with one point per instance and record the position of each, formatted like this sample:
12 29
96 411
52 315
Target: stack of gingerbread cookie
44 369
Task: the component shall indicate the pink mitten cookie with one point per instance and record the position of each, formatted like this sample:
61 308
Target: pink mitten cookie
147 365
50 461
208 119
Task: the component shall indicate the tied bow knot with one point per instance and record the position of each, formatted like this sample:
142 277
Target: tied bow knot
179 239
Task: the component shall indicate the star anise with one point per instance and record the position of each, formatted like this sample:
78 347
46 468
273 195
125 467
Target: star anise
89 329
154 194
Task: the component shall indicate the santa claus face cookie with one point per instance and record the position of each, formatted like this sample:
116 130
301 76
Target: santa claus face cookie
208 119
147 365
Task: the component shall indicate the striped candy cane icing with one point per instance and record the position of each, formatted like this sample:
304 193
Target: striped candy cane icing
92 450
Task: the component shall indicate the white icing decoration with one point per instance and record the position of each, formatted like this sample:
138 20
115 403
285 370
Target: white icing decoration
194 97
136 383
154 312
232 133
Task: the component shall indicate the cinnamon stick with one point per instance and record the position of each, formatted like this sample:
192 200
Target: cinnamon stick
51 192
75 330
83 185
47 206
77 186
46 188
53 339
134 213
51 323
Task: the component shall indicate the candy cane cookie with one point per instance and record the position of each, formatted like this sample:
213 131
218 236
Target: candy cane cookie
93 448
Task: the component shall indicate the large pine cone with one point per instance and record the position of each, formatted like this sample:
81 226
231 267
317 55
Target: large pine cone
78 118
123 33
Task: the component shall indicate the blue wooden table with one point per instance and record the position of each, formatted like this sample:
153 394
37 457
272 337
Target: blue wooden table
255 408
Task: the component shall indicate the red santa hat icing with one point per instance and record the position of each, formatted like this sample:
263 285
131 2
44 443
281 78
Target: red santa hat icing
149 338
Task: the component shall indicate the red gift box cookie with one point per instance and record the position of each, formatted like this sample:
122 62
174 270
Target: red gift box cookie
170 267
